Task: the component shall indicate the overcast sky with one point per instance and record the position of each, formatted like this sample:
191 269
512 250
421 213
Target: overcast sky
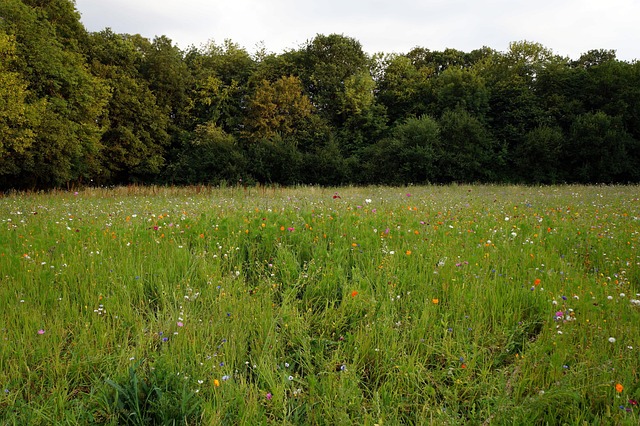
568 27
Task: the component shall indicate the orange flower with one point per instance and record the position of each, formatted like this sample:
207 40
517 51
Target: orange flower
354 293
619 388
216 382
435 301
408 252
536 282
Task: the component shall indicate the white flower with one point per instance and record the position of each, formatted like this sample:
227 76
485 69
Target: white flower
622 294
368 200
612 339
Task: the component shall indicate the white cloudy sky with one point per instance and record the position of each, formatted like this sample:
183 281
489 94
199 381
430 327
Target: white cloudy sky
568 27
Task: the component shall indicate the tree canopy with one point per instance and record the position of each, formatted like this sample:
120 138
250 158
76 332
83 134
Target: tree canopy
104 108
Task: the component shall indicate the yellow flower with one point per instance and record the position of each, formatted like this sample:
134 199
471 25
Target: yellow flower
216 382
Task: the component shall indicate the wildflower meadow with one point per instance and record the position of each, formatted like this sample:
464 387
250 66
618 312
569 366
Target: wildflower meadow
332 306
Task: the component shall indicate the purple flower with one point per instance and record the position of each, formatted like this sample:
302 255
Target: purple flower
269 396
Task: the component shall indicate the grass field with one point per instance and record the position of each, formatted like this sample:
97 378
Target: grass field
420 305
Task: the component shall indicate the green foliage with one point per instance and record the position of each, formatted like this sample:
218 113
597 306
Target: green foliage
409 155
221 75
275 160
328 62
404 88
539 158
107 108
601 150
67 139
278 108
212 157
20 118
468 152
136 135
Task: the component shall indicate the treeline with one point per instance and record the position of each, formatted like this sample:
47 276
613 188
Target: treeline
80 108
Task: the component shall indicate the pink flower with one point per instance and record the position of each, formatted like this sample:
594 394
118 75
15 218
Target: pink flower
269 396
180 324
41 331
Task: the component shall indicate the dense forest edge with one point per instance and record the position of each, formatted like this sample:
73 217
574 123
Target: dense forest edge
100 108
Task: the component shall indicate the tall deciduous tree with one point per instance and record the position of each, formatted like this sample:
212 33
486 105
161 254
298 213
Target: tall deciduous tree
136 127
19 118
328 62
221 74
468 152
280 107
404 88
66 145
408 155
601 150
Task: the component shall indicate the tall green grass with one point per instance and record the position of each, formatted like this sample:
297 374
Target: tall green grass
417 305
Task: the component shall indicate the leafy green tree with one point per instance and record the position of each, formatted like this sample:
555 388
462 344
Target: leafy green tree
65 20
221 84
19 119
163 67
364 121
323 164
66 144
515 107
275 160
460 88
601 151
594 57
279 107
403 88
136 135
558 88
212 157
408 155
328 62
468 152
539 159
